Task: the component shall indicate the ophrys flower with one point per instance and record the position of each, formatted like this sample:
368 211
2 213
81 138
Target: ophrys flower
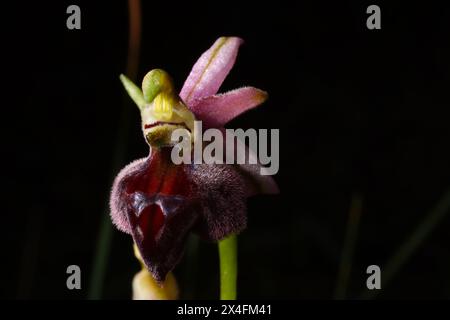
159 202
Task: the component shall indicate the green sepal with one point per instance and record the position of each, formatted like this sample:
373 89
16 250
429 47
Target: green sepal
133 91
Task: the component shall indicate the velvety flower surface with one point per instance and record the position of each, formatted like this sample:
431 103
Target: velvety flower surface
159 202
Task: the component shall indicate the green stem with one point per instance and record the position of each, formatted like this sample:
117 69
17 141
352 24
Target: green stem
103 249
191 267
410 246
348 251
101 258
228 267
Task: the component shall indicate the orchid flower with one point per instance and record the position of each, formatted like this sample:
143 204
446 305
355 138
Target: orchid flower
158 202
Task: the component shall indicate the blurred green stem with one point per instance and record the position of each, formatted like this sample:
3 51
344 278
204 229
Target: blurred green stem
405 251
101 258
228 267
348 250
191 267
101 254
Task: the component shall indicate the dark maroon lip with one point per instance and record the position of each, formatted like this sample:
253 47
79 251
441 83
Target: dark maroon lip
160 123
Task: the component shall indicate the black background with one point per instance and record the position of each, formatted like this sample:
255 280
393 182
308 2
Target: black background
359 111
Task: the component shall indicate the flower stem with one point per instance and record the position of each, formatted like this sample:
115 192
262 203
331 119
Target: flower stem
103 249
228 267
431 221
348 251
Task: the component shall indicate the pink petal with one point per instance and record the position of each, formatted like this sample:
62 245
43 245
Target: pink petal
256 183
210 70
251 172
217 110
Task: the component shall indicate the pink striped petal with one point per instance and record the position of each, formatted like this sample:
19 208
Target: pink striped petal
210 70
217 110
256 183
252 170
